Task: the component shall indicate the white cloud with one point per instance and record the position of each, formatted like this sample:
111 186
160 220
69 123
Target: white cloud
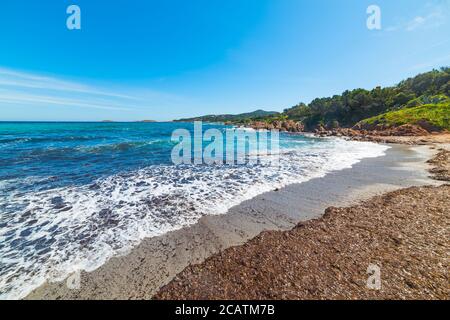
416 23
29 89
436 16
22 98
432 64
14 78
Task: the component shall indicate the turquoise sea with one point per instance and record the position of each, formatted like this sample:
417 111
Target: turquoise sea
72 195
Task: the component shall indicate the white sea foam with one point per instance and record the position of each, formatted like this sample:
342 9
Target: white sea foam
63 230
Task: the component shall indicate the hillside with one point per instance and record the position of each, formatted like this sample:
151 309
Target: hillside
433 117
421 100
243 117
425 91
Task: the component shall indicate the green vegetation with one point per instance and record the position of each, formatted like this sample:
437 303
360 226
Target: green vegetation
436 115
346 110
421 99
235 118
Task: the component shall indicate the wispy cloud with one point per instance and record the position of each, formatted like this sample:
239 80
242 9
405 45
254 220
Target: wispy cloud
435 16
29 89
432 64
17 79
22 98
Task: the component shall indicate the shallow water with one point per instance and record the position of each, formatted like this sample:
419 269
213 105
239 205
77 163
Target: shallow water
74 194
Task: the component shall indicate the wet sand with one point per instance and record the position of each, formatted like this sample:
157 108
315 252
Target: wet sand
393 246
156 261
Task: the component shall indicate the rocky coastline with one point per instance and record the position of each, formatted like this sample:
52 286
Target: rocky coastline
282 125
416 134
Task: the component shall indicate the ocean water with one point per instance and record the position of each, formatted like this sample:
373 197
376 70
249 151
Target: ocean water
72 195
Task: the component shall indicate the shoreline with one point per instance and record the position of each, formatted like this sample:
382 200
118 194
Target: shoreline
157 261
393 246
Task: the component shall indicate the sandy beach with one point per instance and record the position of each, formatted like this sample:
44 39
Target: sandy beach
157 261
400 237
403 235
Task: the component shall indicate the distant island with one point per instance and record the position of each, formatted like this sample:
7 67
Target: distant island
146 121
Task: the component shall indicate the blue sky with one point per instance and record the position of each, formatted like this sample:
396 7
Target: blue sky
142 59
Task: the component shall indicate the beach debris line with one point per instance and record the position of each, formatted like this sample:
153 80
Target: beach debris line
328 258
441 165
378 249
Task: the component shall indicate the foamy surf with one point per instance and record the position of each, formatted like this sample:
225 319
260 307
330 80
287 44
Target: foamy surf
62 230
